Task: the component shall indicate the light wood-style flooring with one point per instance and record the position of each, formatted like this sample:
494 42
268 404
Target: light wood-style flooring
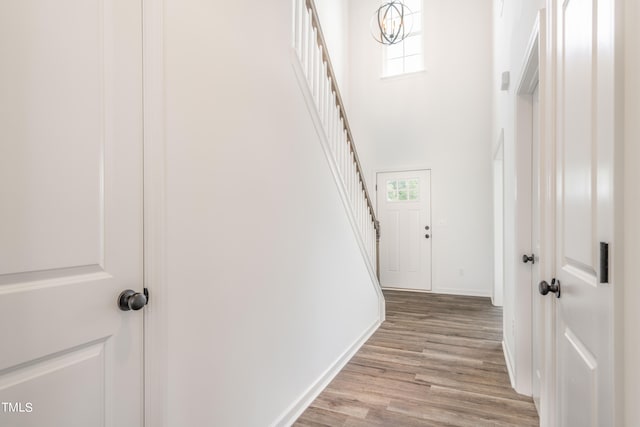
436 361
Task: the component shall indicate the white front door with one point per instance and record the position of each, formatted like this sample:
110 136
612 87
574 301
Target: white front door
584 210
404 207
70 212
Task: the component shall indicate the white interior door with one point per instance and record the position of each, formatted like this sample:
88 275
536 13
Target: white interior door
404 207
70 212
536 299
584 211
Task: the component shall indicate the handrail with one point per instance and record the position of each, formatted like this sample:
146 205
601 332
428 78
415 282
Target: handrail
343 113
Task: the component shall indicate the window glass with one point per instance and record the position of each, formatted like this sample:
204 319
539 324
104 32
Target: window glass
395 66
403 190
413 45
412 63
395 51
417 22
414 5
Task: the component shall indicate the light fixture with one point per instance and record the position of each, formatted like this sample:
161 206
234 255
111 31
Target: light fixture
391 23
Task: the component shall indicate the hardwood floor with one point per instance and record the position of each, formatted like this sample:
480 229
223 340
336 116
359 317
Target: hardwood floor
436 361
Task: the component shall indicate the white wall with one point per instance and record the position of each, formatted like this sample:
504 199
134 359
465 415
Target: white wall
334 20
513 23
439 119
632 213
266 284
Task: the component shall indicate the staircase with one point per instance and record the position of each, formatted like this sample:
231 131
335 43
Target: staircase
318 83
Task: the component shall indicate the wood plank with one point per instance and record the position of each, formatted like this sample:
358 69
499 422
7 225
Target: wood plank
436 361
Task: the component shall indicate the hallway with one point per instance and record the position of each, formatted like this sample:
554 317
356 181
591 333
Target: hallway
436 360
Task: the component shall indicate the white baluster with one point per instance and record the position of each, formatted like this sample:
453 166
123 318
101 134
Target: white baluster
327 105
319 79
310 44
365 214
330 122
343 154
332 125
312 60
336 130
314 66
372 233
347 176
343 158
323 105
355 183
327 96
350 169
361 198
362 226
320 85
356 192
354 176
350 177
296 27
304 45
369 237
366 238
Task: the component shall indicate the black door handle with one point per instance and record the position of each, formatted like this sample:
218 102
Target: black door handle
426 236
527 258
131 300
554 287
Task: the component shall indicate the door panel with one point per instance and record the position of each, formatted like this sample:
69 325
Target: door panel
40 95
578 135
404 209
578 393
584 215
414 238
392 252
80 373
71 213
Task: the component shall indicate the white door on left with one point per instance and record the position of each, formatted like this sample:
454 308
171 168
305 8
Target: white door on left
70 212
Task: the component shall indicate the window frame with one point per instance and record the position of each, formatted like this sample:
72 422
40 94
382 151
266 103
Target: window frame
419 34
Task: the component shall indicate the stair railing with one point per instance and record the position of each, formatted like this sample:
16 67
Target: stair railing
311 50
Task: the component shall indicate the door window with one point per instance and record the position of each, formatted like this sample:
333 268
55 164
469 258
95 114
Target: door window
403 190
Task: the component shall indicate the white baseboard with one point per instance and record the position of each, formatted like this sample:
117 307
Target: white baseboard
508 361
461 292
294 411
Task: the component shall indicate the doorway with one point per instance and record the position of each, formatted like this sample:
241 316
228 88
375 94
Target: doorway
498 223
535 365
404 208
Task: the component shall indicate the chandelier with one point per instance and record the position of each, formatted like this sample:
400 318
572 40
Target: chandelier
391 23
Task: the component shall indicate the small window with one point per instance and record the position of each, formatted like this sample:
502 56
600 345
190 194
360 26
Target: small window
403 190
406 56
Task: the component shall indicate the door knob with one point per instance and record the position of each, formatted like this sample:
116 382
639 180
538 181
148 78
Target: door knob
426 236
131 300
526 259
554 287
426 227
